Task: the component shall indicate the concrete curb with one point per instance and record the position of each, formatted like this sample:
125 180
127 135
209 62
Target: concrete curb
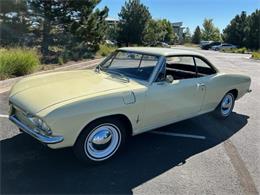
6 85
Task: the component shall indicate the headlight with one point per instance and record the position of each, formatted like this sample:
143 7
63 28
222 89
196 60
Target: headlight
40 124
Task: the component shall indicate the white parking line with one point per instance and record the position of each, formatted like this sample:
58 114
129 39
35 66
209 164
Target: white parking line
179 135
3 116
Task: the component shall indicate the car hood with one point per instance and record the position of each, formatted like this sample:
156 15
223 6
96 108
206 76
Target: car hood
36 93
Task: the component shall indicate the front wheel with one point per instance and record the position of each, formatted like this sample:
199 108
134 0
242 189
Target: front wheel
226 106
100 141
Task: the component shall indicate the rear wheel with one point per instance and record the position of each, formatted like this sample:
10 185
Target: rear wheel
100 140
226 106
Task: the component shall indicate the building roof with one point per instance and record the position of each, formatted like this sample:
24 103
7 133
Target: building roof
111 19
177 24
160 51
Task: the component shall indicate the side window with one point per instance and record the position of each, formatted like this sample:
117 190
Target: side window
131 64
203 68
129 59
180 67
149 61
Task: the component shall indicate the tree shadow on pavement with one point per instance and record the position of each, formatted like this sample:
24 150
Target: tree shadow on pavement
29 167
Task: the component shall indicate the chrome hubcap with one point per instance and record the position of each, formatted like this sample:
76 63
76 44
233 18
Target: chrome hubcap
102 142
227 104
101 139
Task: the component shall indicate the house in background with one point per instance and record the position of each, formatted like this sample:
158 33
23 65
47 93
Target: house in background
111 21
178 29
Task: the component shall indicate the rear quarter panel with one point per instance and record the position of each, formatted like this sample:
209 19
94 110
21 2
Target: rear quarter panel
218 85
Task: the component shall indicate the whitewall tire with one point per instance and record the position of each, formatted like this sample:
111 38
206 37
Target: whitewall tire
226 106
100 140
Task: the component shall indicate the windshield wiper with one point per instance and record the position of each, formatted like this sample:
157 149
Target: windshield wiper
118 74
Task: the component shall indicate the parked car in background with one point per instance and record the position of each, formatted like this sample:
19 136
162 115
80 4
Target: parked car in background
202 43
223 46
209 45
132 91
163 44
159 44
109 42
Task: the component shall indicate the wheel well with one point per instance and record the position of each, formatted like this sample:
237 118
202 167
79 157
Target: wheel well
234 92
124 119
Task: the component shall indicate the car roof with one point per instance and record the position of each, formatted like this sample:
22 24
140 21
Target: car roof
160 51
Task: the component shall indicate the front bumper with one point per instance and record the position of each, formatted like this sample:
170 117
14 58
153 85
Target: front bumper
42 138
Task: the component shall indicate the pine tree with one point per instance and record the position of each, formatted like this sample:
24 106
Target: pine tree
44 15
187 35
236 31
13 22
253 36
74 25
244 30
133 18
196 38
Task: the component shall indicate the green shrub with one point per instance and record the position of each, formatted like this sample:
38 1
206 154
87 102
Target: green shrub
60 60
256 55
236 50
227 50
105 49
241 50
17 62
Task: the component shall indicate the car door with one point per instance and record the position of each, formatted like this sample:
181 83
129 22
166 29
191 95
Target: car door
207 76
225 46
168 102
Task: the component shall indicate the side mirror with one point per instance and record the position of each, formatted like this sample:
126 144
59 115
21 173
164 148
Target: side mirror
169 78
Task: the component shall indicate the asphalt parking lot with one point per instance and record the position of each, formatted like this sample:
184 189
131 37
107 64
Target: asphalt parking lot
197 156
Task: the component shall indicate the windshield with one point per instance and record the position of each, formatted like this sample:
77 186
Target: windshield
130 64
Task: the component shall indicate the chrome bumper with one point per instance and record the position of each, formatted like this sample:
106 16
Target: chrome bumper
42 138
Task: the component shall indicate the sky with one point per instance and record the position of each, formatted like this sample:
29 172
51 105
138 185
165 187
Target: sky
190 12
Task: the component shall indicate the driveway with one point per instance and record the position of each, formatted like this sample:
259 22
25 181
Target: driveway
197 156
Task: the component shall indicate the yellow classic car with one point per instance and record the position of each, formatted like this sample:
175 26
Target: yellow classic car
132 91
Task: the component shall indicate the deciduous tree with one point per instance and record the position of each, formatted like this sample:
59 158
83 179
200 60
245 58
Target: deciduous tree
153 33
158 31
168 34
209 31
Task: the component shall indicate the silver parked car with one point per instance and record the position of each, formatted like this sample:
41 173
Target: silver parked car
223 46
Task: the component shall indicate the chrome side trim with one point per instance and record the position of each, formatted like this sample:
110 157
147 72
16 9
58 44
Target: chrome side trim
42 138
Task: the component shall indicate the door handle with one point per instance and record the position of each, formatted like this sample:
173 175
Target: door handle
161 83
200 85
